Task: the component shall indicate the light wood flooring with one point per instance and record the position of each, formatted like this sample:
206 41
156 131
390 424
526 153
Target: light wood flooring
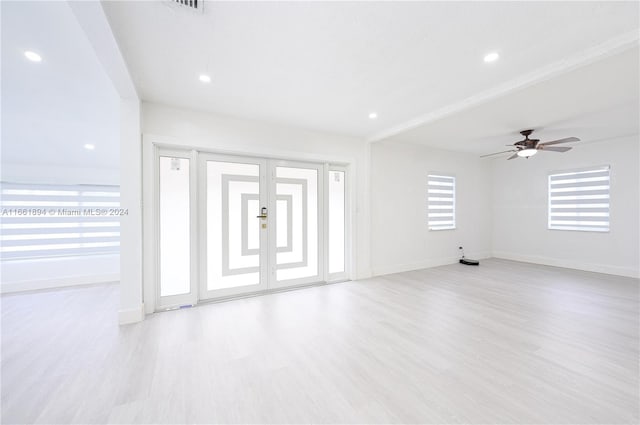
505 342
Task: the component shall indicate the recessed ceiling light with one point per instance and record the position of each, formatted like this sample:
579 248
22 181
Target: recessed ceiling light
205 78
89 146
491 57
373 116
33 56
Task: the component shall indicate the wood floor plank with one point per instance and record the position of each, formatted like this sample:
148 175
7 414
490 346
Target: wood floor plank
505 342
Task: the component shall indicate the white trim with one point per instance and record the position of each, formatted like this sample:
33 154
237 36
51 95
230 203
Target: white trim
610 47
131 315
569 264
149 224
33 285
344 275
325 276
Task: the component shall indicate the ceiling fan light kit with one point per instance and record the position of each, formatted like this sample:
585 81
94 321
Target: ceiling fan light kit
528 147
526 153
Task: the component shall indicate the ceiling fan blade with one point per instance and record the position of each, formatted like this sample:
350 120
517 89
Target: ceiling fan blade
515 155
496 153
556 142
554 149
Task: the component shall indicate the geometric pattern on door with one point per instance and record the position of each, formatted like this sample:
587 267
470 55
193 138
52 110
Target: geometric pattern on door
291 223
240 193
240 255
227 267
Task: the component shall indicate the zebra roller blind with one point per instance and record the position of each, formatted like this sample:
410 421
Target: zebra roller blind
579 200
441 202
39 220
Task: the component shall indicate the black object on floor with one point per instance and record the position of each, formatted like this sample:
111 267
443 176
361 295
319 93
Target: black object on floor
469 262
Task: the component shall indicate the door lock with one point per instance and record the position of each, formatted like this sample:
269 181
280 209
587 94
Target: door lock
263 213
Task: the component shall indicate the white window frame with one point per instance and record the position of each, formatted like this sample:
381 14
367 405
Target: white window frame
595 206
343 275
190 298
59 220
430 223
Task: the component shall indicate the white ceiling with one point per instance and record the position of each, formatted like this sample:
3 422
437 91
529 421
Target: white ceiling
52 108
319 65
327 65
596 102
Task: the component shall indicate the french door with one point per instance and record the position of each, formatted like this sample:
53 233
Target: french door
232 225
260 224
233 238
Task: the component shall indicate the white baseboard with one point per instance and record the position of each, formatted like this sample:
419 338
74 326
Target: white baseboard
569 264
32 285
131 315
426 264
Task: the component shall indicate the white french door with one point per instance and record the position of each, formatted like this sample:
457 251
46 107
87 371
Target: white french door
233 234
296 238
252 225
260 225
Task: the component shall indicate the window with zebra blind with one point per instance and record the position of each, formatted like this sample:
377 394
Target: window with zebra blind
441 202
579 200
41 220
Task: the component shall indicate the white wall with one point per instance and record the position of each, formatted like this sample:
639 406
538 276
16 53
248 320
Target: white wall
520 211
131 303
186 128
43 273
400 236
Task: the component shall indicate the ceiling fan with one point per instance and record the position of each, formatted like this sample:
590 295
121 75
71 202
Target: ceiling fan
529 147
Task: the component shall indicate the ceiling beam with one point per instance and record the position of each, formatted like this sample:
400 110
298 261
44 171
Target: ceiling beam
610 47
94 23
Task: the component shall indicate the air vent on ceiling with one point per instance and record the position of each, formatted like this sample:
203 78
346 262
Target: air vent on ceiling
195 5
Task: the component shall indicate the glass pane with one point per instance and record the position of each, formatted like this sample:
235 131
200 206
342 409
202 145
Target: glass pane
336 221
174 227
233 233
297 233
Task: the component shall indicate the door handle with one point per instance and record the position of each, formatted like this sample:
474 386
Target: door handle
263 213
